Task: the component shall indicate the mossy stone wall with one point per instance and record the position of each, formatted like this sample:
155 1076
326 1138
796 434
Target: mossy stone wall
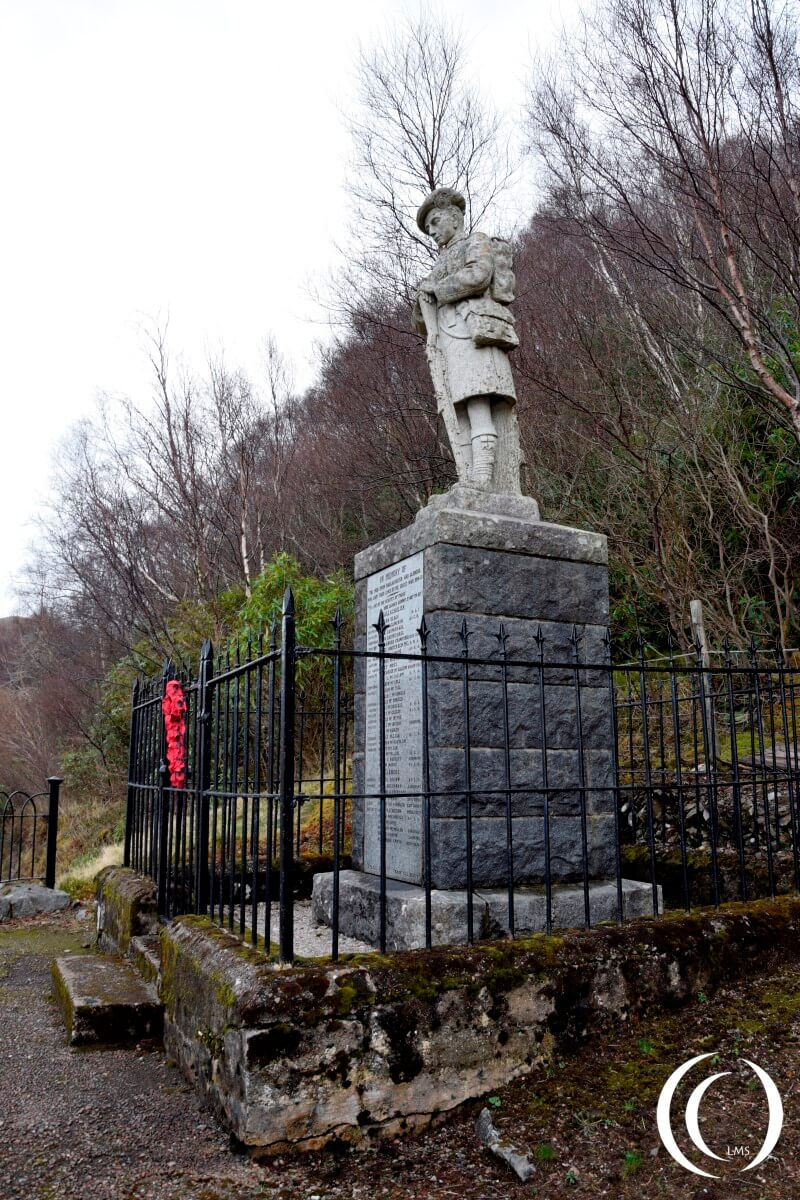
126 908
375 1045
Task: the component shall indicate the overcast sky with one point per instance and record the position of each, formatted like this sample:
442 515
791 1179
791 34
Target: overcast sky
180 158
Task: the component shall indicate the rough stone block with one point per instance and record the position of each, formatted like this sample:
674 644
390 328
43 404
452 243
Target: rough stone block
459 519
359 900
28 899
447 717
444 639
568 905
145 955
447 714
359 909
127 907
352 1051
540 581
104 1001
496 583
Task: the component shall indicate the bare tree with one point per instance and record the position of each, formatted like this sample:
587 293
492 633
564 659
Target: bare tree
669 132
170 503
626 432
418 123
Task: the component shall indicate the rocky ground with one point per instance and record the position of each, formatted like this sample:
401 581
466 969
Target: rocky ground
123 1124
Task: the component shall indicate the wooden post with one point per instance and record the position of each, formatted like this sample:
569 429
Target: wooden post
701 646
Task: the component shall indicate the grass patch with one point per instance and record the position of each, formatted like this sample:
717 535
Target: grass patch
78 883
632 1162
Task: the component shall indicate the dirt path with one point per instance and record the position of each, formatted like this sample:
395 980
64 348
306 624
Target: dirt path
122 1125
95 1125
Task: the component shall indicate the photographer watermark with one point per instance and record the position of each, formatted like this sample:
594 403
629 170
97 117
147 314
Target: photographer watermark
664 1120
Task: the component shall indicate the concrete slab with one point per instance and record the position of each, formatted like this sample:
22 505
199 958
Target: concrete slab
104 1001
28 899
359 909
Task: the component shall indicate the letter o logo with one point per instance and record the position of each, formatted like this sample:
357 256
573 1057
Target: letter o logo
664 1119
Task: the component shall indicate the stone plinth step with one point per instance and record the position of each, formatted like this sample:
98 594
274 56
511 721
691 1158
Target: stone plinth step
104 1001
359 908
145 955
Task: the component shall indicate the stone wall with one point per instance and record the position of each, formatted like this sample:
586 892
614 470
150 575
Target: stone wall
377 1045
127 907
636 865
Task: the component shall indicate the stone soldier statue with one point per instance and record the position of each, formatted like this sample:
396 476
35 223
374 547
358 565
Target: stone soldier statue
463 308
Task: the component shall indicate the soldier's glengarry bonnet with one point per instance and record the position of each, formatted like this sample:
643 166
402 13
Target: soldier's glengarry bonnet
441 197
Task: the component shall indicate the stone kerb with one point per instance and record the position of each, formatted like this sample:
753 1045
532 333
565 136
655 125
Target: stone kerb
377 1045
127 908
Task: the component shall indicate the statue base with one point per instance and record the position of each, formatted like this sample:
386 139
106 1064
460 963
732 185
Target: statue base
480 560
359 909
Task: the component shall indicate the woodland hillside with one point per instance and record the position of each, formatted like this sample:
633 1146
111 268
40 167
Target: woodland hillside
658 376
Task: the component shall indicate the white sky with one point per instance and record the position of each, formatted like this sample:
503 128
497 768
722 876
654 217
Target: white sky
180 157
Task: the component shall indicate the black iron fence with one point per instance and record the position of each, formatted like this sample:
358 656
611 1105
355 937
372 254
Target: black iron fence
28 833
708 769
557 767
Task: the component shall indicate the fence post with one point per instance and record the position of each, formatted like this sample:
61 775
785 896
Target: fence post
337 778
130 811
52 831
203 775
163 801
701 647
286 780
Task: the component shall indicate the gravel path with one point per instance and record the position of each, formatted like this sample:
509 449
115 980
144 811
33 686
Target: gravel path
122 1125
310 939
95 1125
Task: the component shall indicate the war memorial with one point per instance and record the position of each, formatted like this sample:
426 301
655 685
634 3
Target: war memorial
479 574
470 786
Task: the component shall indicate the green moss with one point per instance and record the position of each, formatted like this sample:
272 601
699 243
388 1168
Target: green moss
62 997
373 960
129 901
256 954
346 998
505 979
223 991
34 938
426 975
352 991
213 1042
216 979
775 1010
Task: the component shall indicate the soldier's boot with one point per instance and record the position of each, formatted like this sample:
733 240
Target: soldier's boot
484 449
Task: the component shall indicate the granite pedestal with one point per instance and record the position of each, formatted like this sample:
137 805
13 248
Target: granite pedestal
482 559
